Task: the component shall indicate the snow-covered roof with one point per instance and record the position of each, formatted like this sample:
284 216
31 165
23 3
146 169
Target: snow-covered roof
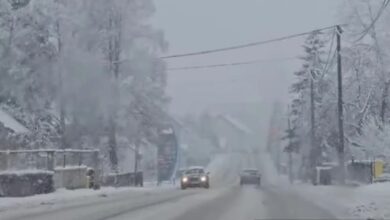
236 123
82 167
11 123
195 167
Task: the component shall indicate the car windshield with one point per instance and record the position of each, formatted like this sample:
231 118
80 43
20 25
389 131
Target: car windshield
195 171
194 109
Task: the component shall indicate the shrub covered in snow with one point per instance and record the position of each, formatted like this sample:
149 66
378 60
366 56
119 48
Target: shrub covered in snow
26 183
374 140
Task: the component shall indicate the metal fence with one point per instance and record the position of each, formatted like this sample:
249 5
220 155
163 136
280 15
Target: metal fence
48 159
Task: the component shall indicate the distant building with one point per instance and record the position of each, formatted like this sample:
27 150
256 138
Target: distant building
232 133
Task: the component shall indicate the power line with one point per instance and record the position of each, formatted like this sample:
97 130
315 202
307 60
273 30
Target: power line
230 64
329 59
380 12
246 45
331 62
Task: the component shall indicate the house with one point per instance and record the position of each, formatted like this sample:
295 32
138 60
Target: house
10 123
8 126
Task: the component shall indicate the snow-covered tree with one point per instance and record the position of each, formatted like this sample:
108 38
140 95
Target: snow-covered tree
136 77
83 73
312 72
366 71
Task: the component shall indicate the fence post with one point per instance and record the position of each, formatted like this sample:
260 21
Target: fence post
50 160
95 164
36 157
9 160
80 158
6 164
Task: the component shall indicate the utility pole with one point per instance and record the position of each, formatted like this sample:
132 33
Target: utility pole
136 157
340 107
136 164
313 152
61 89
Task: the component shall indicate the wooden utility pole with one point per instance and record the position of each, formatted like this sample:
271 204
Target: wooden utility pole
340 107
313 150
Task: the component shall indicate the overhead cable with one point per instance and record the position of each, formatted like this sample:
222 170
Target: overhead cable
380 12
230 64
237 47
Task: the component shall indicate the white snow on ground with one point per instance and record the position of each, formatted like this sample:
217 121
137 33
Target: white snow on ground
119 201
63 196
363 202
371 201
374 201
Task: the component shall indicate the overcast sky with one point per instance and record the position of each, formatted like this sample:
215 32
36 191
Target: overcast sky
192 25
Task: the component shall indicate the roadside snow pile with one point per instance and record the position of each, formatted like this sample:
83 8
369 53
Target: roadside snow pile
62 196
336 199
364 202
373 201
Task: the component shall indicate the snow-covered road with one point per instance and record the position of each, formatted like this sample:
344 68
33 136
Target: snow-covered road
224 200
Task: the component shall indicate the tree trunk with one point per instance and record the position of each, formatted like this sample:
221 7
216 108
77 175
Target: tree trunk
112 144
384 102
63 143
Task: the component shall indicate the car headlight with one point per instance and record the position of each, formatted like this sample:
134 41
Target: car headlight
203 179
184 179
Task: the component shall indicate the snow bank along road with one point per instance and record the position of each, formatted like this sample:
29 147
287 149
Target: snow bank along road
225 200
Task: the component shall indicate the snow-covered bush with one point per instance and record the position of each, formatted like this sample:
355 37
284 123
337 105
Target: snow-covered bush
374 140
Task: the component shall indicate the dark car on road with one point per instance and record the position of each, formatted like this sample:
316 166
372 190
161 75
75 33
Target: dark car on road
250 176
195 177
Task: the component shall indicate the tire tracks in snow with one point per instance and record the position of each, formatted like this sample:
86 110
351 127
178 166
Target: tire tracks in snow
108 206
147 205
